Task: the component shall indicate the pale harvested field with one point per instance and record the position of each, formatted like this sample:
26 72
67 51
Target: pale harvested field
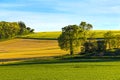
27 48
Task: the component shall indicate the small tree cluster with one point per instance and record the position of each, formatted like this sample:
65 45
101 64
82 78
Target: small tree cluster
111 40
23 29
11 29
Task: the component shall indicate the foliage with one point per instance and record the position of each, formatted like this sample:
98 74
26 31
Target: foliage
108 36
117 41
11 29
24 29
101 47
112 40
8 29
90 47
85 30
69 39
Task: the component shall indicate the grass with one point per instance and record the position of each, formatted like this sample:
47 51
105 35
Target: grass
55 35
61 70
43 35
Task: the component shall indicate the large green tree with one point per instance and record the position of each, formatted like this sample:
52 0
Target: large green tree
69 39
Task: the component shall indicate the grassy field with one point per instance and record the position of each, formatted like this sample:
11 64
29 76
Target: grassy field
55 35
43 35
25 48
34 70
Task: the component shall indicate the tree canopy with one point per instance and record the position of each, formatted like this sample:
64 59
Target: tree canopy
11 29
69 39
85 27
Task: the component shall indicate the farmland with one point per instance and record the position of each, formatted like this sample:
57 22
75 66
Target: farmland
55 35
40 47
25 48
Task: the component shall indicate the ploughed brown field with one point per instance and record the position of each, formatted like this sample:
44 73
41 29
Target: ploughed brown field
28 48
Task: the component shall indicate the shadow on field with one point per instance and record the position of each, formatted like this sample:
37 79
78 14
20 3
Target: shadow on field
59 59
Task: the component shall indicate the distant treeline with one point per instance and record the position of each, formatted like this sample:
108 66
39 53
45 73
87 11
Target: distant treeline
12 29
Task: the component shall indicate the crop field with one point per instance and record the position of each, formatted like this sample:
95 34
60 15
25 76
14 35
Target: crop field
61 71
25 48
55 35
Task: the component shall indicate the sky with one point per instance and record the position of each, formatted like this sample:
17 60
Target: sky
52 15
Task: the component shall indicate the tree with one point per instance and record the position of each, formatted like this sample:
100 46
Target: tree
69 39
90 47
85 28
101 47
28 28
23 29
8 29
11 29
108 36
22 24
32 30
117 40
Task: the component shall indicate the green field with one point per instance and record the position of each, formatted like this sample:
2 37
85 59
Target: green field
80 70
43 35
55 35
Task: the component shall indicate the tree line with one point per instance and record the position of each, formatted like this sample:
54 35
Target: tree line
75 37
12 29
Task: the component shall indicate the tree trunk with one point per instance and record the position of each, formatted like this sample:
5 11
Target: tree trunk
71 47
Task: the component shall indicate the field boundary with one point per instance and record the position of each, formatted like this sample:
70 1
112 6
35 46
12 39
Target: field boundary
37 38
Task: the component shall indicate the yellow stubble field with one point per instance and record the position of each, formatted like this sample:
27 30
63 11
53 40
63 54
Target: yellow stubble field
28 48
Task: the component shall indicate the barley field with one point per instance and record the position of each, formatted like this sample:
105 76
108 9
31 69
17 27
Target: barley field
26 48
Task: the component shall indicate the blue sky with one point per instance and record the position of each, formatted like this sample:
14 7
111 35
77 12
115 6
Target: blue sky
52 15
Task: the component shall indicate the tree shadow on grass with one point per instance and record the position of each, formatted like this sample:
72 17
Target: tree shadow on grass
59 60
